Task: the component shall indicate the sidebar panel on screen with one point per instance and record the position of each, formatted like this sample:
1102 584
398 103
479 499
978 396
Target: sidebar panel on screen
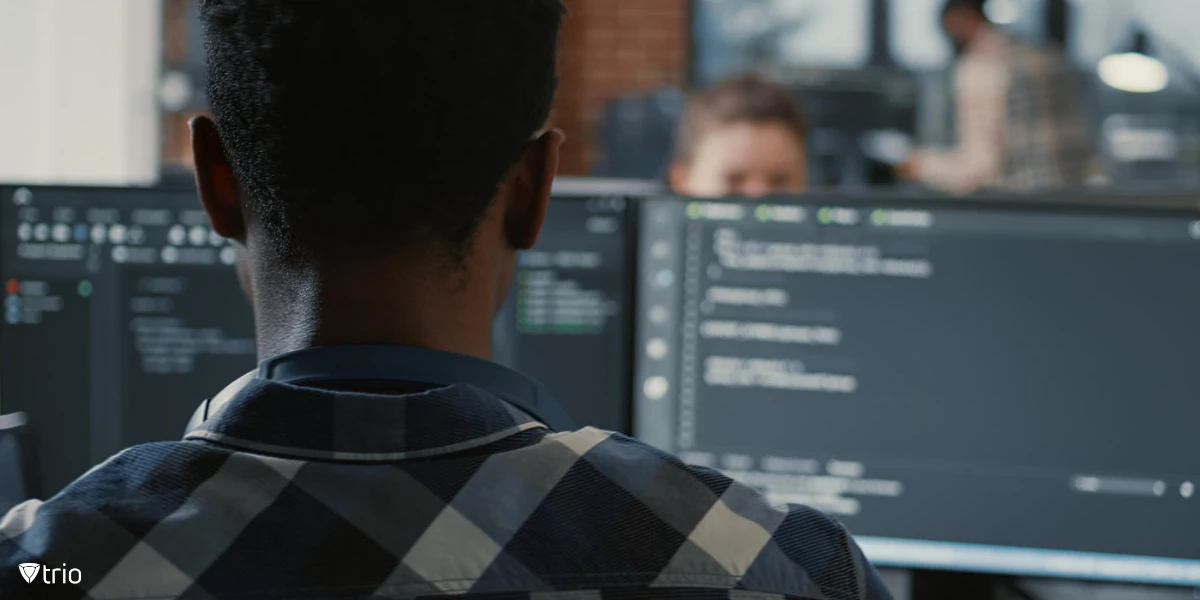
568 321
189 334
122 313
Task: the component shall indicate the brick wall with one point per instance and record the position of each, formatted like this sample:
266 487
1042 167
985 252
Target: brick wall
608 48
176 142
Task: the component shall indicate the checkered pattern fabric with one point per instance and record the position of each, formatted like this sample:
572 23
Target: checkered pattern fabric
1020 122
1046 142
291 492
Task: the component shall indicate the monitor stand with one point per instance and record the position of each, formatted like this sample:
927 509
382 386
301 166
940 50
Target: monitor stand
945 585
898 581
952 585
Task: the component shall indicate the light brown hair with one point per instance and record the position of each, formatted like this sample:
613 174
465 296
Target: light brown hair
745 98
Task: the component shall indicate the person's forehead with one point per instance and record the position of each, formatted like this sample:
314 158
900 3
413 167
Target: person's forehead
743 138
753 131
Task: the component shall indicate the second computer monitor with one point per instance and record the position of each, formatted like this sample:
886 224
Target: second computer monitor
122 313
569 319
987 386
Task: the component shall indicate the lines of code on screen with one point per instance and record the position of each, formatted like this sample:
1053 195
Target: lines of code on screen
122 314
988 375
568 319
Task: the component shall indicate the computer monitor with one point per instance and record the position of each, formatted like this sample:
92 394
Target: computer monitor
15 485
998 386
121 314
569 319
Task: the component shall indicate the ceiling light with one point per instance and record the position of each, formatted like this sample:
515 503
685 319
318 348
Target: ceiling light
1134 72
1003 12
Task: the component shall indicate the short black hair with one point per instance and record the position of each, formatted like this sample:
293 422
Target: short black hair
975 6
361 124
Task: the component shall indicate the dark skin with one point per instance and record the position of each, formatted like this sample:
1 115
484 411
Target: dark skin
960 26
417 296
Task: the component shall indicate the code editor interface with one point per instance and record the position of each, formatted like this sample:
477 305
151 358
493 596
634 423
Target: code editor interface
122 313
569 318
980 374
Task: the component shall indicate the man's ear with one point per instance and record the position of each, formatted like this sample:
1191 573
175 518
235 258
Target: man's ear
220 192
678 176
530 190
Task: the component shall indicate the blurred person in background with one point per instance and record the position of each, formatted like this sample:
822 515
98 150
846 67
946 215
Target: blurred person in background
742 137
1020 122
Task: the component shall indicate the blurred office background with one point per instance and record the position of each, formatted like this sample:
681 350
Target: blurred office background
100 92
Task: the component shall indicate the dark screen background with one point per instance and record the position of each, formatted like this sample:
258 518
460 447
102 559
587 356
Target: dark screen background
113 343
568 320
129 362
1040 350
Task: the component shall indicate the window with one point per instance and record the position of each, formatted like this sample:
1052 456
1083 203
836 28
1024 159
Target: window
733 36
918 42
917 39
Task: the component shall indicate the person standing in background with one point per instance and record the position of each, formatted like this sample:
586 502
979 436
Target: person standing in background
1020 123
744 136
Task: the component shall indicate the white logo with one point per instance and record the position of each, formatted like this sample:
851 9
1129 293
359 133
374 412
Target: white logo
29 571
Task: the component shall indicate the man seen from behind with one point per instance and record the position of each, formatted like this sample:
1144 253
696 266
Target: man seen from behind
380 164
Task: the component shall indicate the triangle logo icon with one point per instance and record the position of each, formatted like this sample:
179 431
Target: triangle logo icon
29 571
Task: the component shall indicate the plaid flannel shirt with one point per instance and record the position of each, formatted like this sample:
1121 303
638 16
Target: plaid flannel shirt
1019 121
309 492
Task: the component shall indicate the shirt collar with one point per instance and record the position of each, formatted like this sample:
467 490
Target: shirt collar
474 403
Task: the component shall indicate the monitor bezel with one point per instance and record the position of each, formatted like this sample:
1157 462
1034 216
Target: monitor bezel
1104 201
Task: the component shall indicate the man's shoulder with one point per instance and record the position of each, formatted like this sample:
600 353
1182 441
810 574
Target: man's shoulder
584 508
646 470
114 502
726 528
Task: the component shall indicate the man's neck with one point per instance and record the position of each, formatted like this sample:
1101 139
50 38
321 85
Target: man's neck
982 37
369 304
